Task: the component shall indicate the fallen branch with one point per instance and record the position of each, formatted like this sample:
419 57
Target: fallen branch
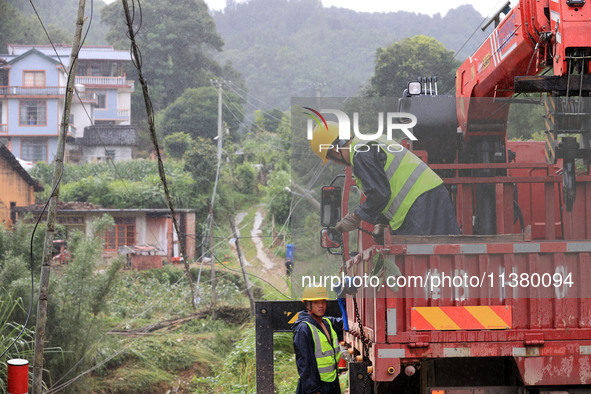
226 313
160 325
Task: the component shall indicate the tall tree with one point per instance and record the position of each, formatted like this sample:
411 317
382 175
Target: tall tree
15 28
408 59
176 39
195 113
55 15
200 161
268 120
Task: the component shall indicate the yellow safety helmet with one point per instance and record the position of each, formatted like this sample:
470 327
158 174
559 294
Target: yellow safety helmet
321 137
315 294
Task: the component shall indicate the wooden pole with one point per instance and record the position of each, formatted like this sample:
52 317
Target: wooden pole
215 185
58 164
241 259
150 113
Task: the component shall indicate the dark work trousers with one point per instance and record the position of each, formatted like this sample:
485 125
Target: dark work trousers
431 214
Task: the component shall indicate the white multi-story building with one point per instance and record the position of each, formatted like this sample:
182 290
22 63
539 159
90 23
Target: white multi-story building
33 80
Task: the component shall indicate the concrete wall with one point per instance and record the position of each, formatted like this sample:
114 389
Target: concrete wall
141 262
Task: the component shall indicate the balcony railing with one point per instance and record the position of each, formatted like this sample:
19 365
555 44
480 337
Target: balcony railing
32 91
61 90
123 113
104 81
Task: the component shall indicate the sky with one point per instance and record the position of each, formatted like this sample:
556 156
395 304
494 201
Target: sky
428 7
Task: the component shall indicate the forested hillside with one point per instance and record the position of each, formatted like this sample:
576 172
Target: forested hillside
295 48
61 15
299 48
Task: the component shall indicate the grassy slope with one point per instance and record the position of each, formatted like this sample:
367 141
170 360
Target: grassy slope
199 355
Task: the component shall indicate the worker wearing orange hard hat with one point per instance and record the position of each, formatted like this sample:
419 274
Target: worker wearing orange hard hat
400 189
316 344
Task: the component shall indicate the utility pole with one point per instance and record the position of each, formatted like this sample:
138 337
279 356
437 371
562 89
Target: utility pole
317 86
241 260
58 163
212 262
215 186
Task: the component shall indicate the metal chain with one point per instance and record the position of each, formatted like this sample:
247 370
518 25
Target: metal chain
365 231
344 266
361 333
357 316
363 341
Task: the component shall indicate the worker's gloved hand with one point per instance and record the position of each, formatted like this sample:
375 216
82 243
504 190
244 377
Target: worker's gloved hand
348 223
346 287
378 233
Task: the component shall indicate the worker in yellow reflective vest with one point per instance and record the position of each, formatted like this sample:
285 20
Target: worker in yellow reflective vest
400 189
316 343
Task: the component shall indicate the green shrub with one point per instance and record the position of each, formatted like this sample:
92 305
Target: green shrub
176 144
246 177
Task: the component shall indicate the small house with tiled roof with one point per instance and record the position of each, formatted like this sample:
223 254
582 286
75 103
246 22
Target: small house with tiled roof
147 236
17 187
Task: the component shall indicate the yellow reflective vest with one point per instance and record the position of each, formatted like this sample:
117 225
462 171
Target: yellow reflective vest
408 175
326 354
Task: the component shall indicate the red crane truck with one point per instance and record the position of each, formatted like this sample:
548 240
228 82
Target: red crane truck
506 306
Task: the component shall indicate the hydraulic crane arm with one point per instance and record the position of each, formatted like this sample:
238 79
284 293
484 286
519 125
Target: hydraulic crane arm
540 46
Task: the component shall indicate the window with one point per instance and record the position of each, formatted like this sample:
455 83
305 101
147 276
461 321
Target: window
13 212
72 223
101 100
34 78
34 149
32 112
123 233
101 69
110 153
3 77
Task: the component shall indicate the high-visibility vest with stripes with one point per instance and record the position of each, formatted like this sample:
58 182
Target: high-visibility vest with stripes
325 353
408 175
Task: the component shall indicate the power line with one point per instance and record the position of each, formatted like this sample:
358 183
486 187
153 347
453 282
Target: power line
249 274
241 112
150 114
263 140
31 258
232 86
84 106
266 142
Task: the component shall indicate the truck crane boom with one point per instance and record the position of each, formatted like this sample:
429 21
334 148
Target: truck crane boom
540 46
417 338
